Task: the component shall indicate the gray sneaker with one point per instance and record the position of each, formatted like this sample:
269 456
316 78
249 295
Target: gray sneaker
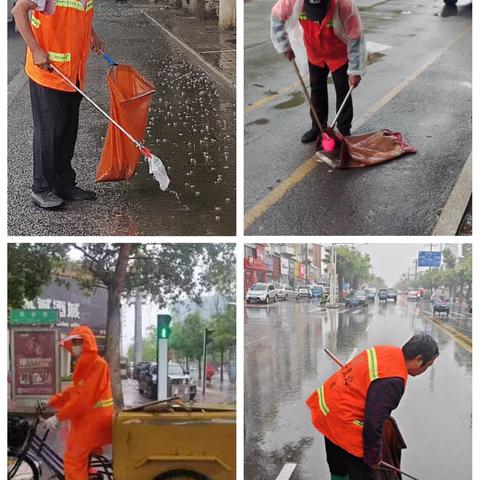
47 200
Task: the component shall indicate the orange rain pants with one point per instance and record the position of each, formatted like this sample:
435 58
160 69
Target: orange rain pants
87 404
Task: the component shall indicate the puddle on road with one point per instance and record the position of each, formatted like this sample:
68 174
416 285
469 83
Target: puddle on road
296 100
374 57
260 121
191 128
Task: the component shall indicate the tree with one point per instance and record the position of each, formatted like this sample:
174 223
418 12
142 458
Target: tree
164 272
224 332
31 266
226 14
352 266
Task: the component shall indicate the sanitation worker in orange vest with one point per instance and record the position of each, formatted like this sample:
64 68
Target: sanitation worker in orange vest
60 33
334 41
351 407
87 404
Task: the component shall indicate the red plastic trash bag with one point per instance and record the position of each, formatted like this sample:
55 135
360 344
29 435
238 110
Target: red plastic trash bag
130 98
367 149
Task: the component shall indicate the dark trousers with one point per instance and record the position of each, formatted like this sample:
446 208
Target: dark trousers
342 463
318 85
55 127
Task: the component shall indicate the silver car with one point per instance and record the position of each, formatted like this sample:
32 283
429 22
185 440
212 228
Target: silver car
261 293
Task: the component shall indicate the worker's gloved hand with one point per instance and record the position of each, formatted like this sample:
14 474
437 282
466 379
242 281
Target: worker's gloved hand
51 423
354 80
40 58
289 54
377 465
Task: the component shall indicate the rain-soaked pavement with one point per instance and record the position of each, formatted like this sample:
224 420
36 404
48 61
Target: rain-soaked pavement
418 82
191 128
285 363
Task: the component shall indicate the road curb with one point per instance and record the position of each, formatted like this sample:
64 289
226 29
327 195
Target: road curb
220 78
454 210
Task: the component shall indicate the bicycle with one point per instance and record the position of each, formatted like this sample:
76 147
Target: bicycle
25 458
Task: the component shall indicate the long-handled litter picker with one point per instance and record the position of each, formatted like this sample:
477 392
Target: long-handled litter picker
383 464
156 165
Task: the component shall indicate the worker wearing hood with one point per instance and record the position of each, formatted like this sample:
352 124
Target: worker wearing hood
87 404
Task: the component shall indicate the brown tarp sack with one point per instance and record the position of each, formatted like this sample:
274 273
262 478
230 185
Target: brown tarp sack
368 149
130 98
392 447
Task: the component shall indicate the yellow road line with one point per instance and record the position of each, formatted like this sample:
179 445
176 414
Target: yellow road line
461 339
303 170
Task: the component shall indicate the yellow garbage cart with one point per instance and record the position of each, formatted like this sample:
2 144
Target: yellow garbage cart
175 442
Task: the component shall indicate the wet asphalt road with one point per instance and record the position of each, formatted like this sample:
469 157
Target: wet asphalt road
422 43
285 363
191 128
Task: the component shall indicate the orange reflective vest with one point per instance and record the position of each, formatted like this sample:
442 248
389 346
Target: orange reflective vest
338 406
65 36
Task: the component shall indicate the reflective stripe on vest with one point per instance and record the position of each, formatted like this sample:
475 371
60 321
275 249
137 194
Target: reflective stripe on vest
59 57
321 401
75 4
104 403
358 423
372 363
35 22
89 5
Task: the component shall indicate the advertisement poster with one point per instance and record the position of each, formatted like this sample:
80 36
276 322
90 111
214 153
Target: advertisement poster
284 266
34 357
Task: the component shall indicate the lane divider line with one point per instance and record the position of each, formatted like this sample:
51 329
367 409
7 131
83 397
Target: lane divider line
309 165
355 350
286 471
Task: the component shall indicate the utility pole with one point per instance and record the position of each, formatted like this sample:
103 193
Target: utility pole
137 342
333 276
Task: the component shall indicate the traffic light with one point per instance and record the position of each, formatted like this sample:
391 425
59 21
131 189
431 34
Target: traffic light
163 326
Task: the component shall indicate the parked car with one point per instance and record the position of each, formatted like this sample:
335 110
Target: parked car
440 304
357 298
317 291
261 293
304 292
371 292
179 382
285 291
138 368
392 294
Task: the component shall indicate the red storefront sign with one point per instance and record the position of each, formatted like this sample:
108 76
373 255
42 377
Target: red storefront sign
254 264
302 270
35 362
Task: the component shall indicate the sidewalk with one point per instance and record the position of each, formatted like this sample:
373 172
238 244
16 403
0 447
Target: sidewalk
215 48
214 393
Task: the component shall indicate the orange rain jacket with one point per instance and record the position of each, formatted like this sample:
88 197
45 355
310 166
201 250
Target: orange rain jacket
338 406
65 36
88 404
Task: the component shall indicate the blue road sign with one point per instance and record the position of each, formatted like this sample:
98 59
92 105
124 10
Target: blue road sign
429 259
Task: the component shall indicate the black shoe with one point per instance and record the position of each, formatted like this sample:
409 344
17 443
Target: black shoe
311 135
47 200
76 194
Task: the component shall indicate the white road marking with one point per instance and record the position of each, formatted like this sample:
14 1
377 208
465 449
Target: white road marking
460 314
343 310
355 350
286 471
357 311
367 329
374 47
